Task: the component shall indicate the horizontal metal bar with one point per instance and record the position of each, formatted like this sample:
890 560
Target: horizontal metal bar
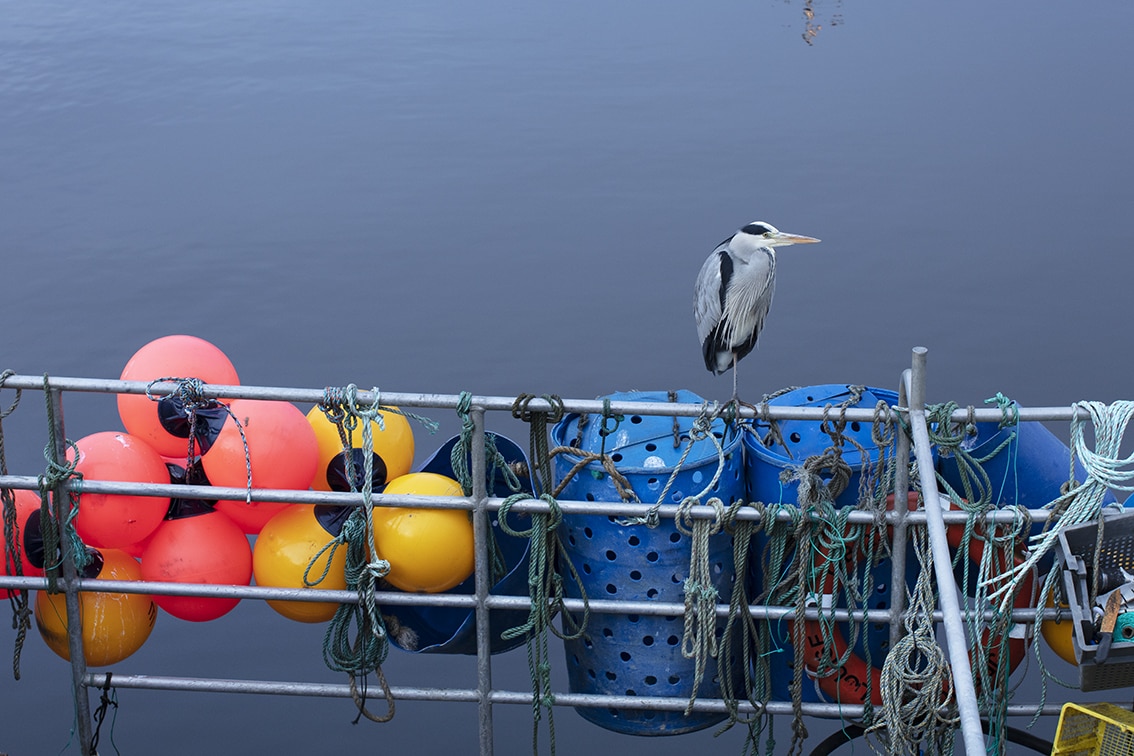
527 506
498 403
581 700
468 601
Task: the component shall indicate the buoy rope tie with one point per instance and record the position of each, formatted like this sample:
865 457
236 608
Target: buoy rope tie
367 651
13 553
1105 470
699 639
191 393
54 476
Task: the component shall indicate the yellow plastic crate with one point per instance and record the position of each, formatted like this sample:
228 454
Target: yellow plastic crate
1096 729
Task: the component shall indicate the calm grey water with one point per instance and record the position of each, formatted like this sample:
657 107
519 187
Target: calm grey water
506 197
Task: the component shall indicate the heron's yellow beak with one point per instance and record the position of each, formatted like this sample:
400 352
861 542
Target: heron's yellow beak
782 240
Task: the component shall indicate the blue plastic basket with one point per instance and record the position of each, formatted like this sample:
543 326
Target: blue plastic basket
765 459
1027 464
640 654
449 630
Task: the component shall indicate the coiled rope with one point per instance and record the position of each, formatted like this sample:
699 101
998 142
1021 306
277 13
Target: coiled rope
917 683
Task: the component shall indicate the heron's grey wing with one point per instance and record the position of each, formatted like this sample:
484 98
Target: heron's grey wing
709 292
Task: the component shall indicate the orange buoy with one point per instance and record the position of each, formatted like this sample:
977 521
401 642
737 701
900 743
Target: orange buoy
203 547
115 625
393 450
282 452
163 424
26 505
429 550
287 545
114 520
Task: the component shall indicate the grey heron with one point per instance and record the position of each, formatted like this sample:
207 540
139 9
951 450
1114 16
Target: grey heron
734 291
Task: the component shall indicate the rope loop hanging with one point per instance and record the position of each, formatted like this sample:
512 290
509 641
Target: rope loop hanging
13 551
548 558
357 641
699 639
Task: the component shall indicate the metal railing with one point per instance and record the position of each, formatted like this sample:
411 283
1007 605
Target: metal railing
485 695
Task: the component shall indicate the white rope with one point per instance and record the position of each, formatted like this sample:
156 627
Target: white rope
1105 470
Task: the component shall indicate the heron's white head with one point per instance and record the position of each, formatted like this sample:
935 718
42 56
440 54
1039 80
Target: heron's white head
762 234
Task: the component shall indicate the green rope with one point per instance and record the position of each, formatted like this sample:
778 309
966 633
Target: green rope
988 625
497 467
545 590
545 582
699 639
916 680
356 641
783 586
13 553
54 476
828 550
741 629
537 429
608 424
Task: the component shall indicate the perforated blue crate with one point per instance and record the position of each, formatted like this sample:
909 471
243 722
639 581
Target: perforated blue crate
640 654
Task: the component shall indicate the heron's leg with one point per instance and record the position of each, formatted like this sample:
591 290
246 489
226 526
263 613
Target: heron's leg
734 390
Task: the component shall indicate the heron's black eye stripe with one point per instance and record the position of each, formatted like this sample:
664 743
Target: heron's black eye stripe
756 229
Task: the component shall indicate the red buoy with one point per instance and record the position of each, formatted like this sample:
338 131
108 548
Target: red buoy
115 520
27 505
282 452
202 548
170 357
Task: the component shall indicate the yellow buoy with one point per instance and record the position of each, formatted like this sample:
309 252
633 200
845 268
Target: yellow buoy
429 550
393 451
284 549
1060 635
115 625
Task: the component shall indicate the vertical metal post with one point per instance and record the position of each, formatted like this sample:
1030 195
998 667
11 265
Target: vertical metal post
61 500
901 527
481 585
967 705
